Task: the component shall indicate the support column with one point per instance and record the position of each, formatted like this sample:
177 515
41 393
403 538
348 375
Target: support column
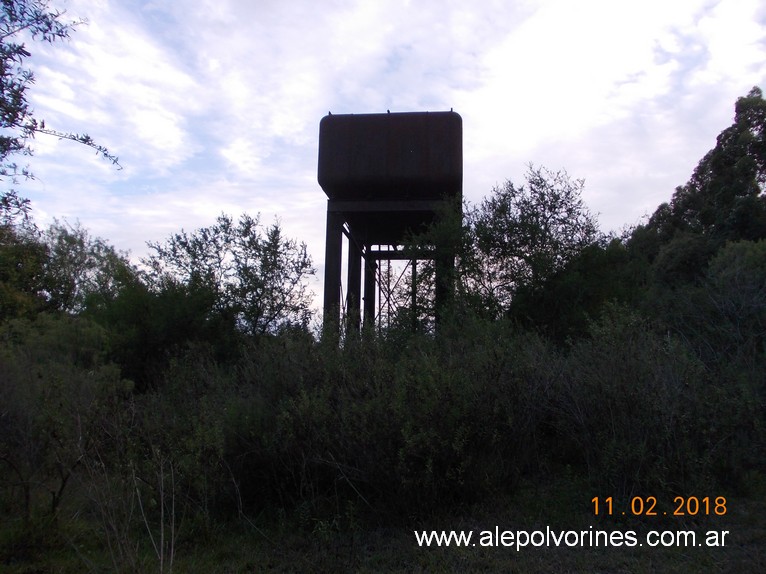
370 268
354 285
445 278
332 269
414 295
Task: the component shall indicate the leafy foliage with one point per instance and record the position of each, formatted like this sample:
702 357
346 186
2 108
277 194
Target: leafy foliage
61 269
524 234
725 193
636 403
82 272
724 315
14 210
572 297
55 388
723 201
257 277
22 262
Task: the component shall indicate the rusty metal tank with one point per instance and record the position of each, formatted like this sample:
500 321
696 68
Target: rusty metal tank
391 156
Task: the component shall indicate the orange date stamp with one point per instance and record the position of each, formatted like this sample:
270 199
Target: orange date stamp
647 506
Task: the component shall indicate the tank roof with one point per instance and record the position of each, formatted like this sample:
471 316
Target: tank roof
391 156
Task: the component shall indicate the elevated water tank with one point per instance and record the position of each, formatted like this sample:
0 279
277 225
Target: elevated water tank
392 156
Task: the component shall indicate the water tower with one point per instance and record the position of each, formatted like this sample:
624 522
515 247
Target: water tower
385 176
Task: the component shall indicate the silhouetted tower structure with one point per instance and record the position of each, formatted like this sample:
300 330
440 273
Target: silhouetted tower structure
385 175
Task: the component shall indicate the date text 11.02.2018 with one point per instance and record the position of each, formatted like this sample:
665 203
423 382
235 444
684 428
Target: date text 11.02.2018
647 506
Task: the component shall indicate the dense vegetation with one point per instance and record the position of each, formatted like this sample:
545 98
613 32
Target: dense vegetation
144 407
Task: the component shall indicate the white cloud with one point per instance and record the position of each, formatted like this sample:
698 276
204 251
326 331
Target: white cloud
124 77
735 44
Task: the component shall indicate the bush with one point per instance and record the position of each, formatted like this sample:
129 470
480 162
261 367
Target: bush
56 390
645 412
414 422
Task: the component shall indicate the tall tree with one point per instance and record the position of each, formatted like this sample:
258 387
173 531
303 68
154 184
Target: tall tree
82 271
258 276
524 234
725 195
23 256
723 201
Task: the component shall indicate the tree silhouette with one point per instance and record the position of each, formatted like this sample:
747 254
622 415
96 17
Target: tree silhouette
524 234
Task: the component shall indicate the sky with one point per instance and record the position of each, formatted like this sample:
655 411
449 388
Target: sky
213 106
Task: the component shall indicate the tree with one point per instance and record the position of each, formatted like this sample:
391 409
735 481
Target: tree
22 259
56 387
596 277
150 326
18 125
724 197
23 254
60 269
257 276
82 271
723 201
724 314
525 234
725 192
14 210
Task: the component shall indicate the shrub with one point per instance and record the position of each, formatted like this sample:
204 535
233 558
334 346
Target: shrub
402 423
643 410
56 389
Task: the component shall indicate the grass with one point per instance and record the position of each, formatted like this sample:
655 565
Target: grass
289 544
